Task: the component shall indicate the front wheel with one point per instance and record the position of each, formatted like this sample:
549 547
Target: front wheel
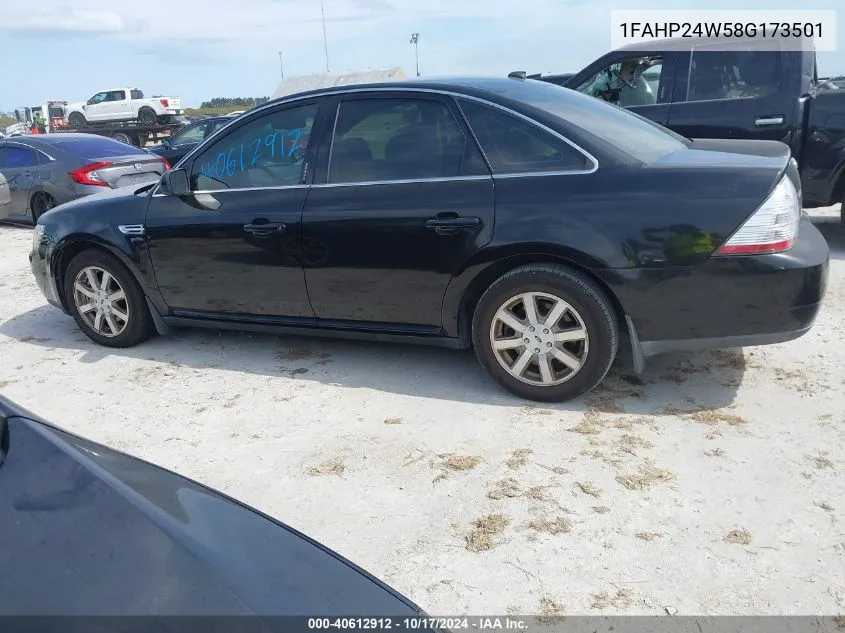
105 300
77 120
545 333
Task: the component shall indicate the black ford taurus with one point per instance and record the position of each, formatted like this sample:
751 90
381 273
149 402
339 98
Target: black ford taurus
522 219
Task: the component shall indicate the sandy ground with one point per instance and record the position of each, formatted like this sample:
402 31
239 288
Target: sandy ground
714 487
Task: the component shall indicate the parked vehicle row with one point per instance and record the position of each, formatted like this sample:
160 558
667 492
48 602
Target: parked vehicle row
530 222
42 171
700 91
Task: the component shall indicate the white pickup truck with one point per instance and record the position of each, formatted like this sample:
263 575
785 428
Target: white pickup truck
123 104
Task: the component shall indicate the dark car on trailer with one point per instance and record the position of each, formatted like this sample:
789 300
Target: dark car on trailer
46 170
528 221
735 89
89 531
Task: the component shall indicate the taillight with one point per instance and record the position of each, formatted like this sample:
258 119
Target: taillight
166 163
88 175
164 102
772 228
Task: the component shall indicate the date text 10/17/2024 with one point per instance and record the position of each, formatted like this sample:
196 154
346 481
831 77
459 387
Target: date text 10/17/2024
421 623
241 157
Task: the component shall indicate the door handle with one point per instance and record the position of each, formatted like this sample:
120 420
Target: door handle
264 230
774 120
451 225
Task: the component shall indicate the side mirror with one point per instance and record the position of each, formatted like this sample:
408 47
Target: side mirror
175 183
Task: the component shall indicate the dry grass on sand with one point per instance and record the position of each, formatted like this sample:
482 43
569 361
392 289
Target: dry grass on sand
738 537
518 458
331 467
647 475
480 538
559 525
620 599
460 462
507 488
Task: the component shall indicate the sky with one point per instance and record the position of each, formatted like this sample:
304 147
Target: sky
199 49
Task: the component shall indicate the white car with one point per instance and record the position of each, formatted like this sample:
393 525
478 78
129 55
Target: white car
123 104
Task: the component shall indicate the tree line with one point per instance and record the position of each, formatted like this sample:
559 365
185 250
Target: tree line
224 102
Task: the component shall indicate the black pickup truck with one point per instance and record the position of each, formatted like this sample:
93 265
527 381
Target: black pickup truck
701 91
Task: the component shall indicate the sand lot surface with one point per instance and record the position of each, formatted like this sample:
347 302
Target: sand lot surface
713 485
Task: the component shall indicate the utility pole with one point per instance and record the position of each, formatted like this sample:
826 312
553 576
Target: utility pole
415 40
281 66
325 39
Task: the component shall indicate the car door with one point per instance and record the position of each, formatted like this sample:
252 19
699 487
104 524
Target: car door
118 105
96 108
19 165
640 82
402 200
735 94
231 248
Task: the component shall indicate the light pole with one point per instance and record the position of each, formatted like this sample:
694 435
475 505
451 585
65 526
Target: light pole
325 39
415 40
281 66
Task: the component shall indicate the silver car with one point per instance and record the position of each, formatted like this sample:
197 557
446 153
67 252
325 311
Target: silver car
44 170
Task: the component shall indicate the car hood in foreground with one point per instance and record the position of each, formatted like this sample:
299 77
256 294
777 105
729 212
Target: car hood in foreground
85 530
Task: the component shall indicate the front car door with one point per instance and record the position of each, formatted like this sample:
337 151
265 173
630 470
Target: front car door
18 164
402 199
231 248
640 82
736 94
95 108
117 105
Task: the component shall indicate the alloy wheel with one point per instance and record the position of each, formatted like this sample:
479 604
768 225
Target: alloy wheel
539 339
101 301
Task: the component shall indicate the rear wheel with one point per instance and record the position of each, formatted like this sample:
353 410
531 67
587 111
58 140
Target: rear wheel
41 203
147 116
77 119
545 333
105 300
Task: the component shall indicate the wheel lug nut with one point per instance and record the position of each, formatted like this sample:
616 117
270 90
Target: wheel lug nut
531 329
536 350
545 331
548 344
526 340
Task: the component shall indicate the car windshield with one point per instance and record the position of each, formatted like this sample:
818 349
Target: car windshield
634 135
95 147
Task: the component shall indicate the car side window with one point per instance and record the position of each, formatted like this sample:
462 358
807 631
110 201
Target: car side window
13 157
732 74
99 97
395 139
626 83
267 151
190 134
513 145
136 94
116 95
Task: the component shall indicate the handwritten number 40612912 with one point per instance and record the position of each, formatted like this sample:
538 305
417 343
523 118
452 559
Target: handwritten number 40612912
230 161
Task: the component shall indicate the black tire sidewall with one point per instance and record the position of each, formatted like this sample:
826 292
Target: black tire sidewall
80 120
144 116
140 323
589 301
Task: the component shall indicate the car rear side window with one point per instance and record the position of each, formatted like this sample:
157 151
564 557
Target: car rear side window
267 151
12 157
513 145
397 139
136 94
96 147
732 74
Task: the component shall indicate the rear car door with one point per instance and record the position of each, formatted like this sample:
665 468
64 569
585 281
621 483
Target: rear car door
402 200
640 82
118 105
735 94
18 164
231 248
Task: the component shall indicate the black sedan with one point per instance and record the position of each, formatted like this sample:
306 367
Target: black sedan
85 530
187 138
528 221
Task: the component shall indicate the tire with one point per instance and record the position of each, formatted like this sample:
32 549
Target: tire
584 314
41 203
136 327
77 120
122 137
147 116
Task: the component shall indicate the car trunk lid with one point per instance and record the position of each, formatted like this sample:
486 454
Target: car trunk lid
130 170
